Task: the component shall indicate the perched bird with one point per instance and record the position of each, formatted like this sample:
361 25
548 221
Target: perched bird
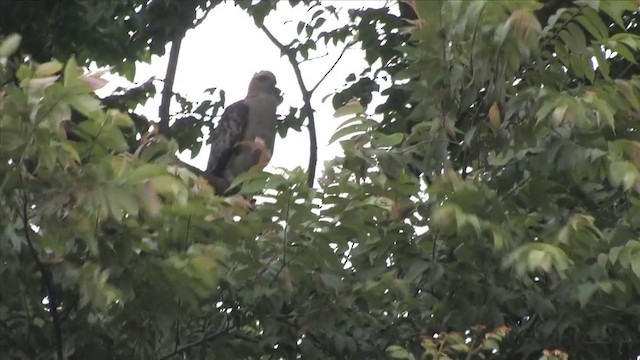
245 134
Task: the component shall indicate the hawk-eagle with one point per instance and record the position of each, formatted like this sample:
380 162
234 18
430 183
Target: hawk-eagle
245 134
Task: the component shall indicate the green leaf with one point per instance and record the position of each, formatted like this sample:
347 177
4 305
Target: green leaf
357 118
381 202
416 270
398 352
70 72
112 137
490 344
353 107
623 51
616 8
604 110
48 68
635 265
252 181
585 292
348 131
144 172
384 140
501 34
39 322
332 281
603 63
594 4
120 119
10 45
614 252
593 23
628 92
462 348
623 173
121 202
169 185
339 342
547 107
68 148
84 103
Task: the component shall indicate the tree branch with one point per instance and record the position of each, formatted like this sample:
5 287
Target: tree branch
224 328
307 110
167 89
313 140
47 281
344 50
204 16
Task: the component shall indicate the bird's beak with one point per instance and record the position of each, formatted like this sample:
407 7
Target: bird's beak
279 95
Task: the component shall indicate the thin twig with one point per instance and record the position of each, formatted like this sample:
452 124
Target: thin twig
95 141
435 246
27 313
32 131
177 330
626 70
517 187
134 348
186 237
286 230
473 42
46 279
224 328
344 50
284 242
422 142
314 58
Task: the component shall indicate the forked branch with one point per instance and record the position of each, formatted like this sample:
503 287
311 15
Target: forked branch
307 110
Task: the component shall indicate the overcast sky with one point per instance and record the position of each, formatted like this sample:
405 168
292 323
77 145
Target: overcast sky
227 49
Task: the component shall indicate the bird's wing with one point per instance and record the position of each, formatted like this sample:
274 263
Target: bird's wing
226 135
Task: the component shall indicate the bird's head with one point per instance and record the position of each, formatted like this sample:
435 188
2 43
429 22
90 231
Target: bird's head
264 83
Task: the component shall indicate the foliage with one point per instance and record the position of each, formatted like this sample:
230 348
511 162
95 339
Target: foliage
534 145
518 239
115 33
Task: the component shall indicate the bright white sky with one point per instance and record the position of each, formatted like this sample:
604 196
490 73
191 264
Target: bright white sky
227 49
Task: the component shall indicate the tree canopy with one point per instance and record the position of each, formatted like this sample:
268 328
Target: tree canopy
487 209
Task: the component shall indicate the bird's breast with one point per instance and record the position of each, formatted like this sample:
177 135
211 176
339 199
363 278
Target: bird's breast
262 119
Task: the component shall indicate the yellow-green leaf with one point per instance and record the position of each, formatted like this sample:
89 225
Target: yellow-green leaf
353 107
70 72
10 45
48 68
120 119
84 103
494 116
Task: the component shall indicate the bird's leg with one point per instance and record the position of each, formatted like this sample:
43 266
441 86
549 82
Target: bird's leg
251 201
219 184
242 202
